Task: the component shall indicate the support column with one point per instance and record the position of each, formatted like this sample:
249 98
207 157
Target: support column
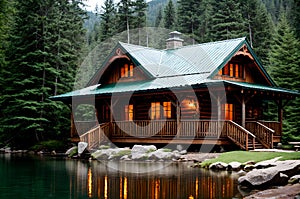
280 114
243 111
178 117
219 108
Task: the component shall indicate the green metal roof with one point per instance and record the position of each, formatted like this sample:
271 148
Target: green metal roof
201 58
262 87
176 68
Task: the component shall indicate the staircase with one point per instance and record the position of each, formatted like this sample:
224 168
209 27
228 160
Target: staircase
257 145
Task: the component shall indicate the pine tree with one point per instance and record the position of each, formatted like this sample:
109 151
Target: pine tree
260 27
205 19
170 16
284 66
158 18
108 18
188 17
44 53
125 17
227 20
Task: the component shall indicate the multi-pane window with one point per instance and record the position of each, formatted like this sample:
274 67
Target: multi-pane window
155 110
233 70
127 70
157 113
228 110
167 110
129 112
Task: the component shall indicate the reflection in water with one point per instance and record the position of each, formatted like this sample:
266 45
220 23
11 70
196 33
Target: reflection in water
176 180
27 177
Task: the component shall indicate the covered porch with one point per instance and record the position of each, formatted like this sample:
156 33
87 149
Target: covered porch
199 117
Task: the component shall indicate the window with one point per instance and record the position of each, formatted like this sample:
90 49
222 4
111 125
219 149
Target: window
127 70
167 109
233 70
155 110
157 113
228 110
129 112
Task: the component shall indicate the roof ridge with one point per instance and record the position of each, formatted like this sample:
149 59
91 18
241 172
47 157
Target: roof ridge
206 43
134 45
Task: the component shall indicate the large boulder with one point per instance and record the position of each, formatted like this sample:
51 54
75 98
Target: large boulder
139 152
161 154
81 147
272 176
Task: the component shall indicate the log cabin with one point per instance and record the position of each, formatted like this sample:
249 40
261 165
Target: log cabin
206 94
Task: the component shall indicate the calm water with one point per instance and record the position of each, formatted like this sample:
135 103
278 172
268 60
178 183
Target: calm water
37 177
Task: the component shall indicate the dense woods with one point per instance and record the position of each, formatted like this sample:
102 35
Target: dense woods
43 42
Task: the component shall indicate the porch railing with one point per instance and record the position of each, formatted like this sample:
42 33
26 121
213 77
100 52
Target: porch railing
239 135
276 126
95 136
263 133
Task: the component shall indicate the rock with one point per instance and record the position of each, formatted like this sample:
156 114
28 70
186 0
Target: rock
266 163
81 147
125 158
160 154
234 166
249 167
294 179
183 152
289 191
139 152
72 150
218 166
273 176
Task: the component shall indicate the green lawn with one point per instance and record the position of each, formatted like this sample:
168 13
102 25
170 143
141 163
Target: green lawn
245 156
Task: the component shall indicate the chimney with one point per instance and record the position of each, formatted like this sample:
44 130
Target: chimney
174 41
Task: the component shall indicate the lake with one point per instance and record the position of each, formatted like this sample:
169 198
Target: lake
46 177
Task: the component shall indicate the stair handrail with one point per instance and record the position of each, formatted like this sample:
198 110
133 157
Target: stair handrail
240 135
95 136
264 135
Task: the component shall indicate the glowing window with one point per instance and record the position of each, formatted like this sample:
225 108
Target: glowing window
129 112
228 110
155 110
167 109
233 70
127 70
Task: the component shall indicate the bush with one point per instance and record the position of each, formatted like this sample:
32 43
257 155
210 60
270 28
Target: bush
49 145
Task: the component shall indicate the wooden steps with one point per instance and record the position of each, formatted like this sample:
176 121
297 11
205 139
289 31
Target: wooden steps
258 145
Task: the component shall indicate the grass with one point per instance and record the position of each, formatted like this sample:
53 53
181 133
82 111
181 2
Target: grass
245 156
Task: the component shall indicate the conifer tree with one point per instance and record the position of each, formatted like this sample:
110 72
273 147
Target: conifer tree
170 16
284 66
188 17
227 20
158 18
45 47
108 17
124 20
259 25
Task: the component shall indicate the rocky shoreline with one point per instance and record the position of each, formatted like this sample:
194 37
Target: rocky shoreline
260 176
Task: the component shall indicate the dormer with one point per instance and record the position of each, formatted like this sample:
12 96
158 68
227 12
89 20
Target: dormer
243 67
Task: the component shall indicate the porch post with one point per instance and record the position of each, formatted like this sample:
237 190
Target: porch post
243 111
178 117
219 108
280 114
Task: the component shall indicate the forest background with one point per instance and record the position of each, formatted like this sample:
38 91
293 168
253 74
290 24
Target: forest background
43 43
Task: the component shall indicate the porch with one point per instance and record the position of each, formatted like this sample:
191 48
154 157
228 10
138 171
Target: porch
256 134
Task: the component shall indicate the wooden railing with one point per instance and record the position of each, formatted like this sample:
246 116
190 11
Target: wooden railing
169 128
276 126
96 135
239 135
263 133
197 129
